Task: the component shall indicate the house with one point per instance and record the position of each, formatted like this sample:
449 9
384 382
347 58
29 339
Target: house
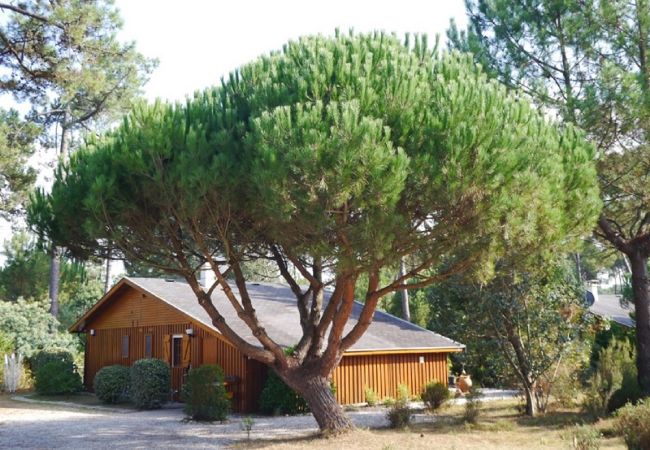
151 317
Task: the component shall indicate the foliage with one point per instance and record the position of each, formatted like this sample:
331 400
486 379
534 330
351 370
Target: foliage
12 372
42 357
150 383
371 396
586 62
434 395
615 362
111 383
585 437
337 155
633 422
403 392
57 377
473 405
16 177
278 398
31 327
247 424
205 395
400 413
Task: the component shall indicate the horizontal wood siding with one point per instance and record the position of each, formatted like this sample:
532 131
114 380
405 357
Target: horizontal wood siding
382 374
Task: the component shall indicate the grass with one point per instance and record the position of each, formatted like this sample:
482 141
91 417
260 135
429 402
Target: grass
82 399
500 426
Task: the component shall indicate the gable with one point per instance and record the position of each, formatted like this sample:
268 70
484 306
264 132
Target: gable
130 307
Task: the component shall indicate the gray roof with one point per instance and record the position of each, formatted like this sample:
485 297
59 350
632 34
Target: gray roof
276 309
609 306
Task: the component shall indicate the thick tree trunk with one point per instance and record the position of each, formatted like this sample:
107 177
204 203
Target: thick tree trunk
55 269
317 392
641 290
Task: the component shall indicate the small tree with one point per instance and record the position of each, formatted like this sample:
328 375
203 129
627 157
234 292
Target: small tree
336 157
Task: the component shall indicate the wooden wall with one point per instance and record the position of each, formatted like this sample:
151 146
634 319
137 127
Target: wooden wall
131 313
382 374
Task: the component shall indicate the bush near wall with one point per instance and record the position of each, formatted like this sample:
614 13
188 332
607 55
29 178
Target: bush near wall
150 383
278 398
434 395
111 384
204 394
57 377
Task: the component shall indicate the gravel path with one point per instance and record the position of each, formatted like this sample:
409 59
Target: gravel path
47 427
29 425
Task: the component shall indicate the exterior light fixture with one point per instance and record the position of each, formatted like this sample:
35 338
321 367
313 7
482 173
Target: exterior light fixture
189 331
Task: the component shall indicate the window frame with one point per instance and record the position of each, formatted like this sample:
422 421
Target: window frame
126 344
148 345
176 355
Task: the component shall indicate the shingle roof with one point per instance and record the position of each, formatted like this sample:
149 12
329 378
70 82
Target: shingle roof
276 309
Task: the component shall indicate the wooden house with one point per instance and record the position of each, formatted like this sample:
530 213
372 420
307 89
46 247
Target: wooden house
157 318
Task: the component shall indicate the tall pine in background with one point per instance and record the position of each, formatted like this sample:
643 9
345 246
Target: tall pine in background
585 61
65 60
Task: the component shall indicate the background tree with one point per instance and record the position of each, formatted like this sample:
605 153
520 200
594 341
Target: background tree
339 156
16 177
64 58
587 62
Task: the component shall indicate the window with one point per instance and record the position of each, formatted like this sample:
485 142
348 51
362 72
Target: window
125 346
148 346
176 350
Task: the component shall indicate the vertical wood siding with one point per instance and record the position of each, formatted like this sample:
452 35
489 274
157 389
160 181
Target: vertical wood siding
132 313
382 374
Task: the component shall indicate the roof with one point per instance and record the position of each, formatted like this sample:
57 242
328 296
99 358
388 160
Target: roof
609 306
276 309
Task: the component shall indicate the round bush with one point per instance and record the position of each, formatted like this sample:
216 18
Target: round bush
57 378
111 384
278 398
150 383
205 395
42 357
434 395
633 423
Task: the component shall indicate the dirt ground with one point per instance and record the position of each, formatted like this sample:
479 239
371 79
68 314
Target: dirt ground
27 425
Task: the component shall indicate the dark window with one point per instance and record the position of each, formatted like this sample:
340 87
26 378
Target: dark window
176 351
125 346
147 346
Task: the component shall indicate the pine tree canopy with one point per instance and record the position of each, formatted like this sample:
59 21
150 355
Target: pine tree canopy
353 150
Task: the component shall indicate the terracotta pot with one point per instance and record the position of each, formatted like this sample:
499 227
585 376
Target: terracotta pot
464 383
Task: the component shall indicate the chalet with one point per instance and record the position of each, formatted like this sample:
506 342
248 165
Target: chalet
157 318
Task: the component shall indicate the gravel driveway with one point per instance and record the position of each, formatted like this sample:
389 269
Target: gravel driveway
37 426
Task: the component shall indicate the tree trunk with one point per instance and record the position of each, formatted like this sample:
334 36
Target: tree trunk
531 402
317 392
55 269
406 310
641 290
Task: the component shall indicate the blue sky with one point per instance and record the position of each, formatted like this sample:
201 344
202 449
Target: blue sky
198 42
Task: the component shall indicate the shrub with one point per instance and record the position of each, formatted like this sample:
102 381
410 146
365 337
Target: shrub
204 394
278 398
472 405
613 361
42 357
150 383
629 392
403 392
434 395
585 437
371 396
633 423
389 401
57 377
399 415
111 384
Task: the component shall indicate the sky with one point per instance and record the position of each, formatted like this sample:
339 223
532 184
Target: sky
199 42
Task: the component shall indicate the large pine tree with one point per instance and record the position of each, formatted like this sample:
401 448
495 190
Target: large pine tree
337 156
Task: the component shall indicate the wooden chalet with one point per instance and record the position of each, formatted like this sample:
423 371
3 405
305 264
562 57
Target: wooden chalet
156 318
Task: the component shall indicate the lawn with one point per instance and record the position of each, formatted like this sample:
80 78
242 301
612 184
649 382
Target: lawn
500 426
